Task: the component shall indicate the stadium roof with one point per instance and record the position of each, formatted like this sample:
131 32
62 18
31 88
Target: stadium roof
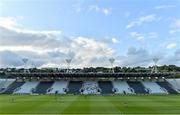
88 75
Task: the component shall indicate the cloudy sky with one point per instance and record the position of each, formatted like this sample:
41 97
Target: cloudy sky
90 32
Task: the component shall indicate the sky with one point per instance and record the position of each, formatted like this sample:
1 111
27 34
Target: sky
90 32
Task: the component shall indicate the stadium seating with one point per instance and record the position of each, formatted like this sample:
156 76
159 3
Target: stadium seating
90 87
153 87
42 87
59 87
175 83
4 83
10 86
138 87
13 87
121 87
106 87
74 87
168 87
27 87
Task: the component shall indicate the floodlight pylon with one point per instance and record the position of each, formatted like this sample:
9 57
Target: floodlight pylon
155 69
111 60
68 61
25 60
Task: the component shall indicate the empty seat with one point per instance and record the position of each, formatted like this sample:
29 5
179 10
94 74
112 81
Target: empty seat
175 83
121 87
27 87
106 87
4 83
13 87
74 87
168 87
138 87
58 87
153 87
43 87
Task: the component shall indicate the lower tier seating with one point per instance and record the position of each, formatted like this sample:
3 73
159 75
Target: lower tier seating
175 83
13 87
4 83
153 87
90 87
74 87
121 87
42 87
106 87
168 87
138 87
27 87
59 87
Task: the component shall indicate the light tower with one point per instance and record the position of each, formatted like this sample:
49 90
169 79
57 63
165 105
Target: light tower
25 60
68 61
111 60
154 69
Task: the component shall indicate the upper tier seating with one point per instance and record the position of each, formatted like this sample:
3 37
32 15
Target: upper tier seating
153 87
168 87
74 87
13 87
42 87
138 87
121 87
106 87
59 87
90 87
27 87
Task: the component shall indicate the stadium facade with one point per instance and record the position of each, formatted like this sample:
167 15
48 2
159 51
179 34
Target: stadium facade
89 83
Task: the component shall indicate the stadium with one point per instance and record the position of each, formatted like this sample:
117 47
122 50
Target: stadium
83 57
75 93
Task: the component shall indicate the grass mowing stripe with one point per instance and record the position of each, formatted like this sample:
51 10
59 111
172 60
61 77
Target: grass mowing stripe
39 106
78 106
167 104
19 105
91 105
50 104
101 105
143 104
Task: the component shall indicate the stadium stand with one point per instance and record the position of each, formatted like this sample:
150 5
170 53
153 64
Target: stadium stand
168 87
88 83
137 86
27 87
74 87
59 87
90 87
106 87
153 87
43 87
121 87
13 87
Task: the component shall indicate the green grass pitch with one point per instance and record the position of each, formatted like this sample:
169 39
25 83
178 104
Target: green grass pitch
51 104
